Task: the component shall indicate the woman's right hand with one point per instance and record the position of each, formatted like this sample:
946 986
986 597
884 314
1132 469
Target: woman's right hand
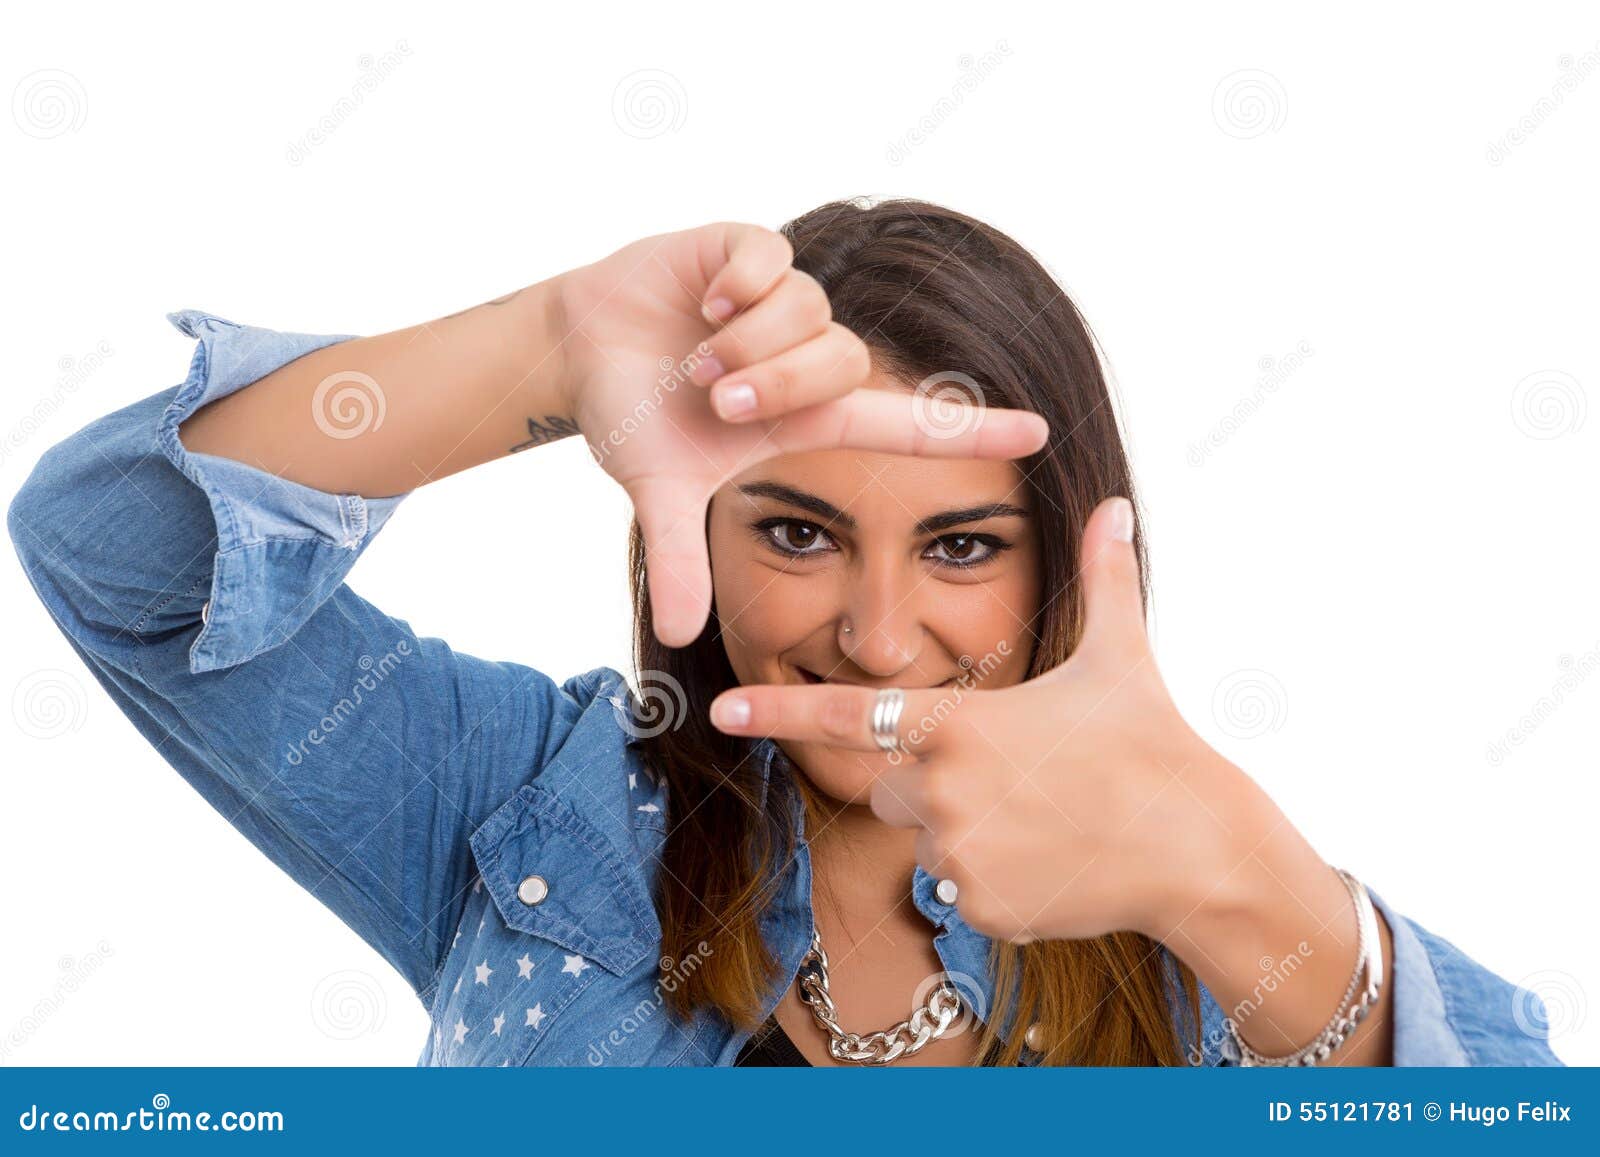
648 328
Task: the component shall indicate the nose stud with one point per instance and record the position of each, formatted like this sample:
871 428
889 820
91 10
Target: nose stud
849 630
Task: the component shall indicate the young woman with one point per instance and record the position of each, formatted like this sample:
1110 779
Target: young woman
901 784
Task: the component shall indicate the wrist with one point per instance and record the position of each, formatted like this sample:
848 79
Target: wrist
539 339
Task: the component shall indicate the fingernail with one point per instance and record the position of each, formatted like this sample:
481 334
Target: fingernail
731 712
1122 520
717 309
706 371
731 401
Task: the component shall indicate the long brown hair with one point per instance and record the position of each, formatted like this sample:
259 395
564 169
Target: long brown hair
929 290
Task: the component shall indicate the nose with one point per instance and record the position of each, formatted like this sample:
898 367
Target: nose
880 628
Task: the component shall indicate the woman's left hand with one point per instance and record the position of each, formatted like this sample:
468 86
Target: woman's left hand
1072 805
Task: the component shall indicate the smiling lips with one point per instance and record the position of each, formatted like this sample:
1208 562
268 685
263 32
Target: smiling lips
813 677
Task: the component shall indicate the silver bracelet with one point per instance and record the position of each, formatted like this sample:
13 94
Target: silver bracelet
1369 960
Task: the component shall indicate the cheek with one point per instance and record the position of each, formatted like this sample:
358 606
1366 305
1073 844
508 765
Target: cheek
764 612
993 625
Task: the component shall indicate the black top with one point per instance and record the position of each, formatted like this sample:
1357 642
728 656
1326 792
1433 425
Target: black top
770 1045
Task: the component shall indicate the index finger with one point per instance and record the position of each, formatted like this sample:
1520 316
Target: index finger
891 421
837 715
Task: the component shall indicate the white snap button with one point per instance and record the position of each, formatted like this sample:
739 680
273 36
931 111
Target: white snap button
532 890
946 891
205 611
1034 1037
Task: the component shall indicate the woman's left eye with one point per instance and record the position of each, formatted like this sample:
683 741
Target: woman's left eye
967 549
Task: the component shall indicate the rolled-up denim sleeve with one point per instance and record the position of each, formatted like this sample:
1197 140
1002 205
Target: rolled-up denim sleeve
1449 1010
209 600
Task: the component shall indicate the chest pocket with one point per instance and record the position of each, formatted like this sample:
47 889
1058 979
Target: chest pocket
556 912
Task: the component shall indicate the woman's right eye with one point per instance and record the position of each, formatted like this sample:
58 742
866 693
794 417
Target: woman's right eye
793 536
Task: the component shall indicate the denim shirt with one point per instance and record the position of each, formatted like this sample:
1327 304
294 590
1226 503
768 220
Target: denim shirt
491 832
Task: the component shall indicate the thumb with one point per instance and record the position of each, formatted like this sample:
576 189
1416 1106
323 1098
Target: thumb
672 518
1113 610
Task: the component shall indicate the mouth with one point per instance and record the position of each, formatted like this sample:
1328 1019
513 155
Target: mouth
807 676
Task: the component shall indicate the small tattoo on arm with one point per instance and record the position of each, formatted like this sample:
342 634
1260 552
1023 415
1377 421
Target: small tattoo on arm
470 308
552 428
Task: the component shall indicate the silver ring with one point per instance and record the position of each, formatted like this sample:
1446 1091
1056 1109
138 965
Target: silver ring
886 719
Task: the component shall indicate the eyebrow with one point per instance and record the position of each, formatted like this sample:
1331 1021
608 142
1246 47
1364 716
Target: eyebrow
826 510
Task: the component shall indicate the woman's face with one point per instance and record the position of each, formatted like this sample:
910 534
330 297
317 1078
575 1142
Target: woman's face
934 563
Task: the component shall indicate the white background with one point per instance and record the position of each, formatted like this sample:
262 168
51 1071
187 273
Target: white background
1391 559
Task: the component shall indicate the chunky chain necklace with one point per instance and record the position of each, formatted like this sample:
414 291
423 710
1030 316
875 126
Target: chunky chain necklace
905 1039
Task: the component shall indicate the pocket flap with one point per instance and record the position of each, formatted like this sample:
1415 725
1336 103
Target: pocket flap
593 902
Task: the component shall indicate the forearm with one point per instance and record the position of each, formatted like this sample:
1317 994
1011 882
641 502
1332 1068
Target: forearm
418 403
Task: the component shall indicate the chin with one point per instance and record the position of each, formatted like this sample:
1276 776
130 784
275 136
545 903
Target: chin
843 776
